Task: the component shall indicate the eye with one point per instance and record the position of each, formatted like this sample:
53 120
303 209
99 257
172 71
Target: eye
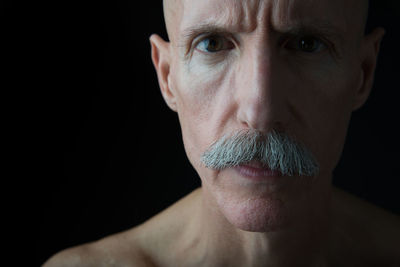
307 44
214 44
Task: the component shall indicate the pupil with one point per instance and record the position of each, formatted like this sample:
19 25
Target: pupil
308 44
212 45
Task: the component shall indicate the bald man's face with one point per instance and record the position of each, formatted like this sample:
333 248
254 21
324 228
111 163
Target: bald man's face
295 66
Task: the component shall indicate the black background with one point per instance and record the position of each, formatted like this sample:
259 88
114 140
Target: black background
105 152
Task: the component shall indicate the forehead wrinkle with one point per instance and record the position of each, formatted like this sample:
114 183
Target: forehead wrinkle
244 16
286 12
234 16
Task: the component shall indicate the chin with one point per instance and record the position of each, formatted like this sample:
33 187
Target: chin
254 214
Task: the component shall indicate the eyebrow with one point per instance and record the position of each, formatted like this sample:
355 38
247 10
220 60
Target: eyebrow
205 28
316 27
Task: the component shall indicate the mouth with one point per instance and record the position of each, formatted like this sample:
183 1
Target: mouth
256 171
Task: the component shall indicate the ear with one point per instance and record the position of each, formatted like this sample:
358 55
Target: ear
369 54
160 55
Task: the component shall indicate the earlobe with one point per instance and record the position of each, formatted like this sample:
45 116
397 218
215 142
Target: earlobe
160 55
370 50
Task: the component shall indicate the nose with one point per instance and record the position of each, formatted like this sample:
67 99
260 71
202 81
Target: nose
260 94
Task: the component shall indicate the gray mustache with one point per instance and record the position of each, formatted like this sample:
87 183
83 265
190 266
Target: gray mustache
277 151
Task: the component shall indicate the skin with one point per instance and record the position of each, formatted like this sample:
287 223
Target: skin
258 78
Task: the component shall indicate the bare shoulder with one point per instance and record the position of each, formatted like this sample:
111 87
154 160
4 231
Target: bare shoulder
114 250
140 246
372 231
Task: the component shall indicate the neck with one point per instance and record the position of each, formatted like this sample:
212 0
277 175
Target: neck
302 243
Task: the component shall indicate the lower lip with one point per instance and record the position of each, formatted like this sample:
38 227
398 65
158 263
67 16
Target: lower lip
257 173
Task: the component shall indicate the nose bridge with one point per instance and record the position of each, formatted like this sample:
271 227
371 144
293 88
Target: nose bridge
261 71
259 95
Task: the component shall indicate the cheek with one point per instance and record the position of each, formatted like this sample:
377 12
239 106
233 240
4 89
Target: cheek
199 90
329 108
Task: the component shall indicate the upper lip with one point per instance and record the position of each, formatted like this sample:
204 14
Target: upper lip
255 164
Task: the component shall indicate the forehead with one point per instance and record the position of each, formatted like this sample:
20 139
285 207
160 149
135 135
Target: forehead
246 15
